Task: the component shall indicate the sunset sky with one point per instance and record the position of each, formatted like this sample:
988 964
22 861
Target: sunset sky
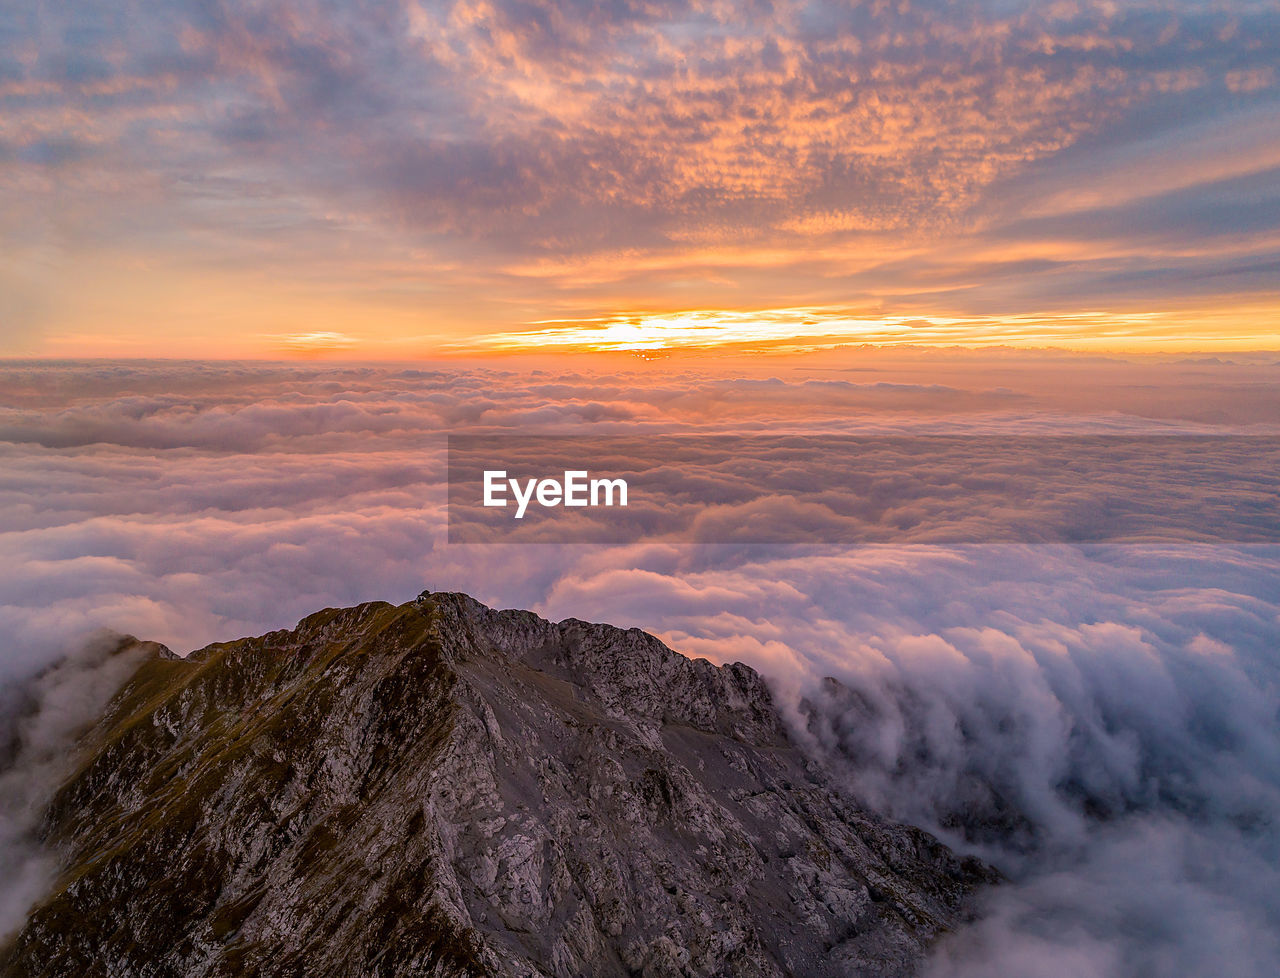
411 179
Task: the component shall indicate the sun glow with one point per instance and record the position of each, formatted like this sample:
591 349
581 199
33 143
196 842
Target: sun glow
804 328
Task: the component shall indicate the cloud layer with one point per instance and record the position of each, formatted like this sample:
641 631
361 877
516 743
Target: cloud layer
1100 722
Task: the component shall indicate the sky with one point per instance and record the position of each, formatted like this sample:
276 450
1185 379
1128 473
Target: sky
258 257
387 180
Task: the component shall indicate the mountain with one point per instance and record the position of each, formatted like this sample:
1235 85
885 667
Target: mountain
444 789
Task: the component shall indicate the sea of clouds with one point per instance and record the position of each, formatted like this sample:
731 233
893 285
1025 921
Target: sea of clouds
1101 722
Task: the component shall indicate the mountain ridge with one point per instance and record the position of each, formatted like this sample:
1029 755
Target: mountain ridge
440 788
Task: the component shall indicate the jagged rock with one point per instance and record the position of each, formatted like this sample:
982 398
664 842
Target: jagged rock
443 789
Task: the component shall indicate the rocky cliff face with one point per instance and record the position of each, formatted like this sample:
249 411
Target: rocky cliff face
444 789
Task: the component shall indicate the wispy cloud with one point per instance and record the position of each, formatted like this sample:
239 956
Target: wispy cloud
319 341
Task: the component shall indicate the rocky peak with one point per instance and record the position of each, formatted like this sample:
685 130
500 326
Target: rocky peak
445 789
631 675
